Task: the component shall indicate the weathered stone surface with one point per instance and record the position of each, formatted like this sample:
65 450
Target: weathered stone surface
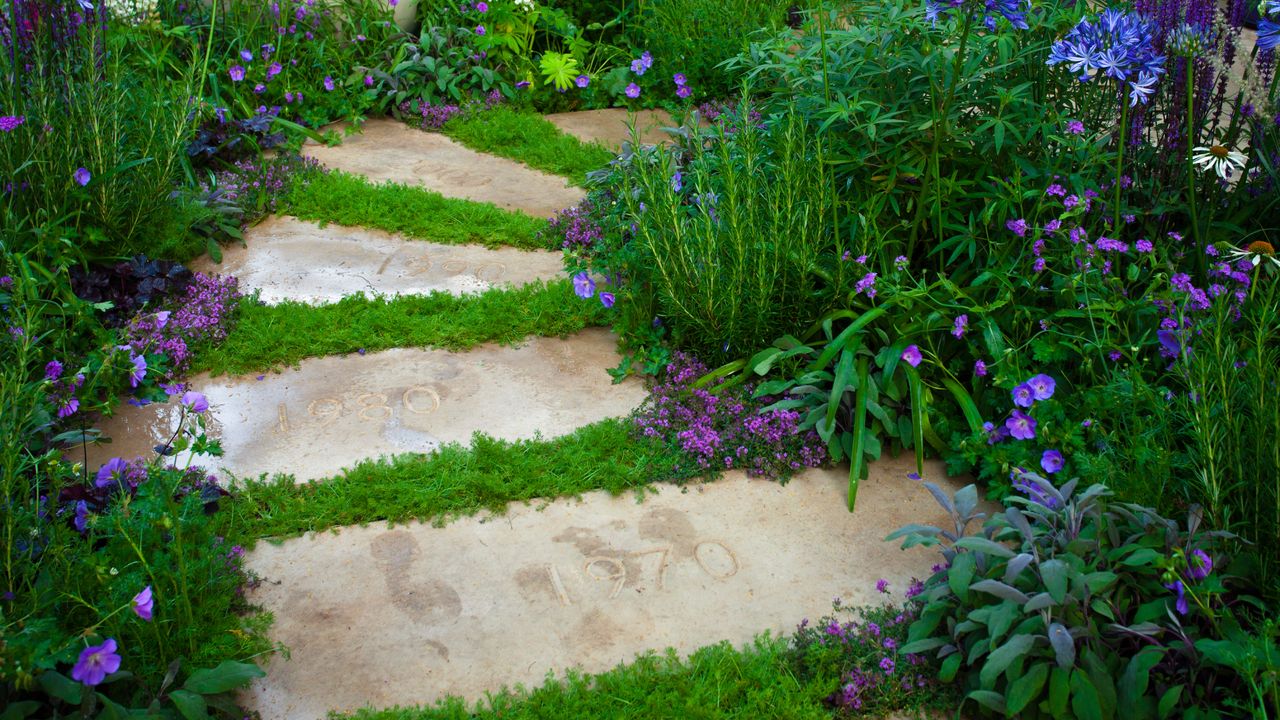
289 259
332 412
386 149
380 616
610 127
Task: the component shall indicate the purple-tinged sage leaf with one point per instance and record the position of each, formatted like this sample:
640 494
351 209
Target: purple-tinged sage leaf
1064 646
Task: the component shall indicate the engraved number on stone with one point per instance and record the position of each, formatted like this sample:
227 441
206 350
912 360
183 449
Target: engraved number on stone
372 403
618 573
454 267
282 414
490 272
327 409
664 554
716 559
558 585
420 399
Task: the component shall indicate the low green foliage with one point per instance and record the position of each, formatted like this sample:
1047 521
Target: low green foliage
456 479
715 682
272 336
346 199
526 137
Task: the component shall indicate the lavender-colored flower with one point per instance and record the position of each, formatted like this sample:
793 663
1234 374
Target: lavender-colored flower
144 603
679 79
480 30
980 368
1024 396
368 81
866 285
1021 426
1075 127
911 355
328 84
1051 461
632 91
606 299
1017 227
96 663
887 665
683 91
139 371
195 402
901 262
1043 386
53 370
81 176
9 123
641 65
482 6
582 81
1181 603
111 472
583 286
959 326
246 55
882 586
1199 564
1118 45
236 72
81 521
273 70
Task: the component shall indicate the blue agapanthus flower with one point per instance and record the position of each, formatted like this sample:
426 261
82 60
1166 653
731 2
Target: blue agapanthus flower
1012 10
1118 45
1269 25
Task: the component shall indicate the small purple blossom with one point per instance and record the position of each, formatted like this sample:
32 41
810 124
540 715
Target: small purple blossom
1051 461
236 72
960 326
81 176
96 662
980 368
582 81
195 402
606 299
1024 396
53 370
1021 426
632 91
480 30
882 586
911 355
1042 386
1199 564
144 603
328 84
111 472
583 286
1075 127
1017 227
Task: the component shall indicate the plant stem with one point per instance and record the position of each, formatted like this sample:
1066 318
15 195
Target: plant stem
1191 168
1122 137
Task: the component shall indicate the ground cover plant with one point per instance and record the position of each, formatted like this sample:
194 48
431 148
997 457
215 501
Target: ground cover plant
529 139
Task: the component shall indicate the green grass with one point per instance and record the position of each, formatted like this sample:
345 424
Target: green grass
345 199
528 138
715 682
456 480
274 336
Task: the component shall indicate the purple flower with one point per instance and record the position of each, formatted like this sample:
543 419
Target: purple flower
882 586
328 84
887 665
195 402
1024 396
53 370
368 81
642 64
82 177
480 30
1043 386
1143 246
111 472
683 91
632 91
1021 426
1199 565
9 123
273 70
582 81
259 89
1181 603
583 286
959 326
482 6
82 517
1051 461
911 355
606 299
1017 227
246 55
980 368
96 663
236 72
1075 127
139 370
144 603
680 80
867 284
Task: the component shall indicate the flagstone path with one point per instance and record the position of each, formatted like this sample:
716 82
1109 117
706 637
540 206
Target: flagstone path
289 259
610 127
377 615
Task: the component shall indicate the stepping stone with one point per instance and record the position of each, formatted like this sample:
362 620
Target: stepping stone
290 259
609 127
387 150
330 413
381 616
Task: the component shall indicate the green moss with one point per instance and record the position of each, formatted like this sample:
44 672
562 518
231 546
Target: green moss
345 199
528 138
274 336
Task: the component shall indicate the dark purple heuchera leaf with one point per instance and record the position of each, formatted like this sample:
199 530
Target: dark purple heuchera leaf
129 285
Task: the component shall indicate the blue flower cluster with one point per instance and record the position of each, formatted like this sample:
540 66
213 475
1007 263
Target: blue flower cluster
1118 45
1269 25
1012 10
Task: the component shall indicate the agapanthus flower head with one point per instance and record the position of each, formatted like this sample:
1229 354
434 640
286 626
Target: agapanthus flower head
1189 40
1014 11
1119 45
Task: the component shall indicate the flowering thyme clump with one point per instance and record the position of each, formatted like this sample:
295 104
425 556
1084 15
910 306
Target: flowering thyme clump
202 314
725 431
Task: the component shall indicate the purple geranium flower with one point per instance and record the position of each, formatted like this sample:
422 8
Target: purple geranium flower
1051 461
246 55
139 370
328 84
680 79
1181 603
1021 425
1024 396
583 286
633 91
96 663
606 299
81 176
683 91
195 402
980 368
273 70
111 472
960 325
1043 386
144 603
480 30
236 72
911 355
1199 564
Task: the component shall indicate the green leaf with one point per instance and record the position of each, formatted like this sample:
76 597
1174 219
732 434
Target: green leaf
983 545
966 403
62 687
917 417
991 700
1001 620
1064 646
1059 691
1027 688
191 705
214 250
229 675
1054 574
1134 682
19 710
1085 702
1002 657
1169 701
1141 556
961 574
999 589
950 666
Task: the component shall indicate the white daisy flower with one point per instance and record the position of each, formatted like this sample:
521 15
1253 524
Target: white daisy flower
1257 252
1218 158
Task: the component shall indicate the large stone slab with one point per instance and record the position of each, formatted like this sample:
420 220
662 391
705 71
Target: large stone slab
379 616
329 413
610 127
289 259
389 150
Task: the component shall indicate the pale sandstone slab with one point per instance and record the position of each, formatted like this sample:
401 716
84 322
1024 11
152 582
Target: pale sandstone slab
378 616
610 127
387 150
330 413
289 259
